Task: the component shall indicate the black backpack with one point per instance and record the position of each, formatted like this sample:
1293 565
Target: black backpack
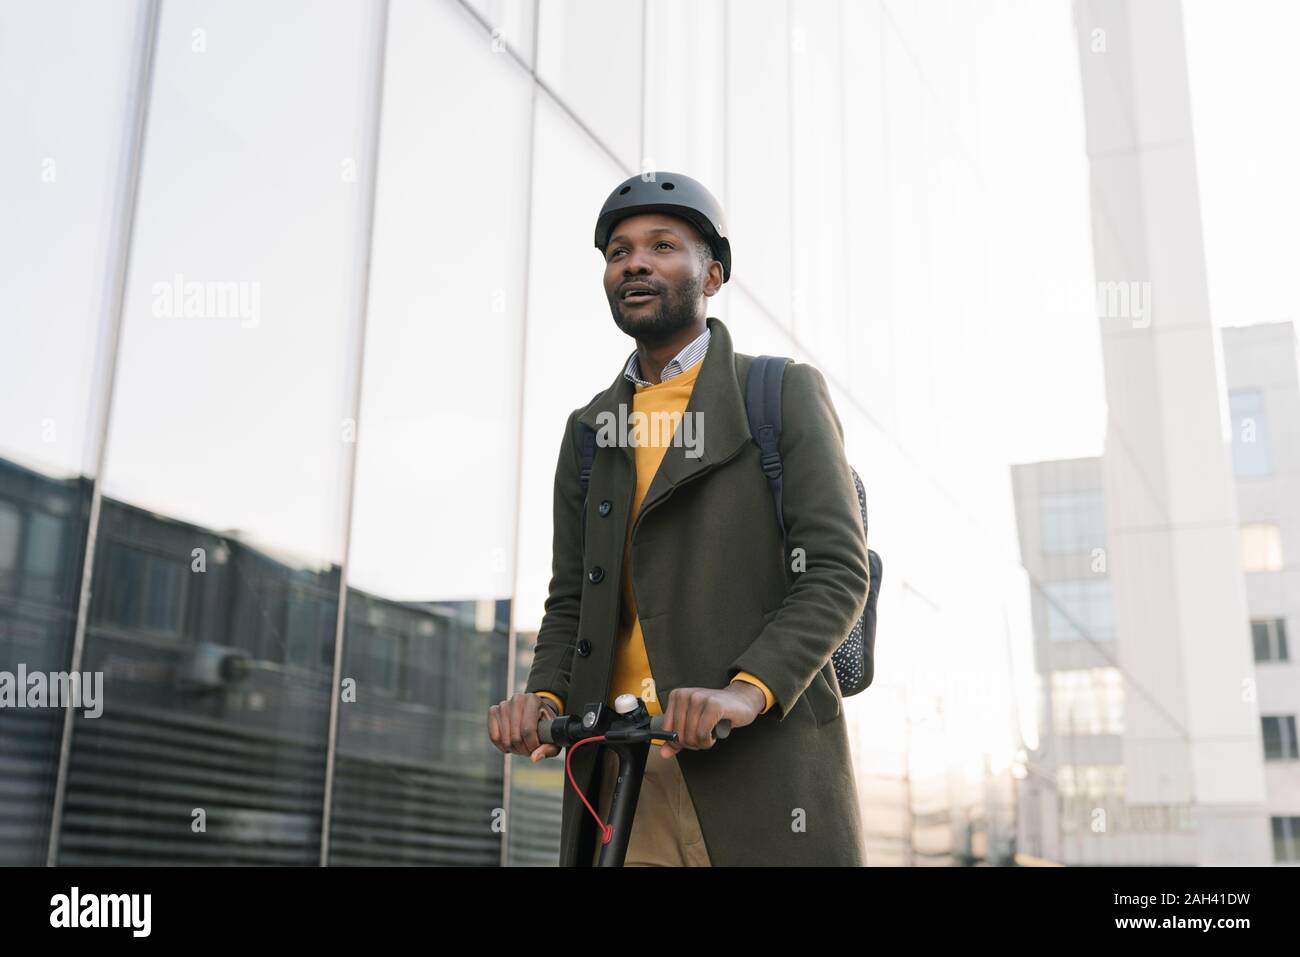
854 659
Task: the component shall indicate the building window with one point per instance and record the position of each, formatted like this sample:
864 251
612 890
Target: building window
44 554
1286 840
1080 609
1088 701
11 527
143 590
1261 548
1249 433
1073 522
383 661
310 628
1090 780
1269 637
1279 737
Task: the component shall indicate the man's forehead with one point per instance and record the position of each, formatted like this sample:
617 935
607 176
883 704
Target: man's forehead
654 224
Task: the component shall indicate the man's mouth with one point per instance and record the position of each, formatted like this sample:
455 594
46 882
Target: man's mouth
639 295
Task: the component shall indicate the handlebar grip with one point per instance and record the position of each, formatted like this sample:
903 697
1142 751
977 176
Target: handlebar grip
720 730
546 725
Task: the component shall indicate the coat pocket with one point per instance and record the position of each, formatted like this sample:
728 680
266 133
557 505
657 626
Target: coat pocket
823 700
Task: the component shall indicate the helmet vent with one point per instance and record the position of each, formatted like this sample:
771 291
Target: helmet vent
667 186
624 190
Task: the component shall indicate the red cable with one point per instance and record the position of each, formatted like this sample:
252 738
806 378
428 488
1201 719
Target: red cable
606 830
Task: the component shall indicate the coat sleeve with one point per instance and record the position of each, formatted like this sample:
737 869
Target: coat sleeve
553 657
823 518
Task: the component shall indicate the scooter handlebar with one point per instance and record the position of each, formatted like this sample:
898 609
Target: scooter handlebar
720 730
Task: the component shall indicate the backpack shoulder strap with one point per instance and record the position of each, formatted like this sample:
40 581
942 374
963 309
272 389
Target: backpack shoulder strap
763 405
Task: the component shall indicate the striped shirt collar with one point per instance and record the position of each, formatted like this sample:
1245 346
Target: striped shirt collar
692 354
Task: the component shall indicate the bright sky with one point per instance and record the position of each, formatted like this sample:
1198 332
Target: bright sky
1245 85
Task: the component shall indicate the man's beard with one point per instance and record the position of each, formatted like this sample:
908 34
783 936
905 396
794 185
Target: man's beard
673 310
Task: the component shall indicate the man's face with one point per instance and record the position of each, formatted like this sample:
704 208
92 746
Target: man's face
654 280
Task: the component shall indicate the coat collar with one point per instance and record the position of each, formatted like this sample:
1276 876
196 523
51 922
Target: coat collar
718 398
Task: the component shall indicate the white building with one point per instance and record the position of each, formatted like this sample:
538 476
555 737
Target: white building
1261 365
1076 805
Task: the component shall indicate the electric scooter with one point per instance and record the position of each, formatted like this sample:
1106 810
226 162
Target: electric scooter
628 728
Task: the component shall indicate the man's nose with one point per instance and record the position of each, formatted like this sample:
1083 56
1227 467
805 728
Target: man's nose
636 264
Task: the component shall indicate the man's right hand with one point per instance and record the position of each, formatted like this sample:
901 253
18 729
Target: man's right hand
512 725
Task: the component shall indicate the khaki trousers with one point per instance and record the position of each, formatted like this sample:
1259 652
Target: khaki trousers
665 831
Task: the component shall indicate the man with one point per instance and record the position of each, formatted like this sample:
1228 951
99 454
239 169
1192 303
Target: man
680 593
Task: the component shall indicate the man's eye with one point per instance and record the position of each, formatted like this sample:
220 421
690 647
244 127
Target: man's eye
664 242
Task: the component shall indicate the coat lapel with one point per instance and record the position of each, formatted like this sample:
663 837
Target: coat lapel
717 399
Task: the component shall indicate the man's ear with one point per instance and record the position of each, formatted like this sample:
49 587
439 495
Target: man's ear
713 282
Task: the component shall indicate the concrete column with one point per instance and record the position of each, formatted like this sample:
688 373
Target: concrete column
1192 733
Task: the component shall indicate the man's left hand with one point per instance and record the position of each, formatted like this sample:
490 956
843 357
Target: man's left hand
692 713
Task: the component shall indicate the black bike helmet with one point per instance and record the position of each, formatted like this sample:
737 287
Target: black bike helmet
671 193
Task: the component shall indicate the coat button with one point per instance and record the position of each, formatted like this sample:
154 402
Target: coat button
605 507
596 575
584 648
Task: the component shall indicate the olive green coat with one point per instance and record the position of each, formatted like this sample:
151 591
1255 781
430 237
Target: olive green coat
707 575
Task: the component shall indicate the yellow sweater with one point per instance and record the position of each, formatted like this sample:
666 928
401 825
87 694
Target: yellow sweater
631 663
